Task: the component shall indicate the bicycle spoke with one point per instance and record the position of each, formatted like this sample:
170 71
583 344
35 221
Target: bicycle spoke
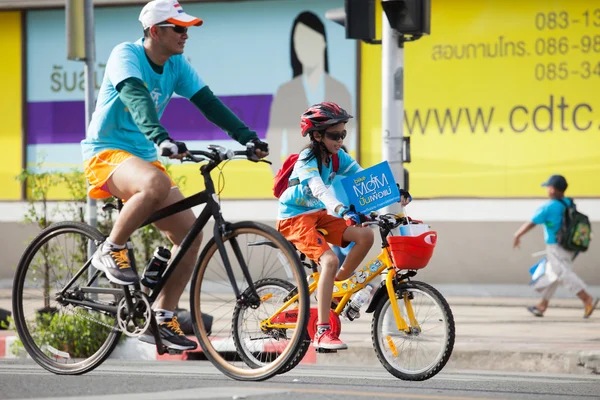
61 337
238 345
424 350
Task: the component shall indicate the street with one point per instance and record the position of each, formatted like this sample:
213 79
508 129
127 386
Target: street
151 380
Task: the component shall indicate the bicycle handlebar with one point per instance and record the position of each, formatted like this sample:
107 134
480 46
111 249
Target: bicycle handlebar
217 154
386 221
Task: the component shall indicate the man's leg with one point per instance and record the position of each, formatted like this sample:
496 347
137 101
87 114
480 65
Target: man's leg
176 227
546 296
562 263
144 187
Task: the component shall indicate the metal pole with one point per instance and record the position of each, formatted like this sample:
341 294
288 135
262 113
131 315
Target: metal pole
90 85
392 103
90 59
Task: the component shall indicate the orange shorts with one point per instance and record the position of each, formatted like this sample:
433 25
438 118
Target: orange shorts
303 232
100 168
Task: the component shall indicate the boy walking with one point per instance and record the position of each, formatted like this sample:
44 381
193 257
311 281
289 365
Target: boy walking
559 259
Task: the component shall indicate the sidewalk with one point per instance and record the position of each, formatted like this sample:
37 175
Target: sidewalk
492 333
500 334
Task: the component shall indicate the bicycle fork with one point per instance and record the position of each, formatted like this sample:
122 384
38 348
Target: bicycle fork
249 297
400 321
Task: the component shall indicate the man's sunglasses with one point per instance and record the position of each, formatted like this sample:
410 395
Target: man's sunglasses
336 136
178 29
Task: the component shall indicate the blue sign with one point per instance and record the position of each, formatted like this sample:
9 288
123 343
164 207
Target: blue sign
372 188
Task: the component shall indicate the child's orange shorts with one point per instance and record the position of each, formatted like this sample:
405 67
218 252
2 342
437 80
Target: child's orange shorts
302 232
100 168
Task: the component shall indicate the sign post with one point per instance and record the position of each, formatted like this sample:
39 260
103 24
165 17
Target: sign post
392 103
402 21
80 47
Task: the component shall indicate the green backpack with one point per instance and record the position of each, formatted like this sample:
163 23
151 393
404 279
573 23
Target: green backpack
575 232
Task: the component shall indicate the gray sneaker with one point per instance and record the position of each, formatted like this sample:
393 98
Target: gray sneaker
115 264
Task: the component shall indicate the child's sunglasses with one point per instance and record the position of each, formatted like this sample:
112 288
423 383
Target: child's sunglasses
178 29
336 136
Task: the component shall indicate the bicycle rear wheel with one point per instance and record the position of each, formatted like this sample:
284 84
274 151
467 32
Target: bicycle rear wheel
421 354
237 344
62 338
275 293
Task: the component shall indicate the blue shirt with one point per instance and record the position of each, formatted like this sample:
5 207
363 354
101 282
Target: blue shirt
299 199
112 127
550 214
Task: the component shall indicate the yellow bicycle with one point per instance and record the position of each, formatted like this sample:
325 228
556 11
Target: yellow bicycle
412 327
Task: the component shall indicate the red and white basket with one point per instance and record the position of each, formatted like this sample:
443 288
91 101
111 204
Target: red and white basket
412 252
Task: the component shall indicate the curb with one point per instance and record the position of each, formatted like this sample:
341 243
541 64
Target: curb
133 349
560 362
566 362
5 344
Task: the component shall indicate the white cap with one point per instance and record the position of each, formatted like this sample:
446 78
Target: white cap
157 11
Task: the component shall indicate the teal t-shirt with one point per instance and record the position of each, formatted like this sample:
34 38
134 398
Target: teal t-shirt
550 214
299 199
112 127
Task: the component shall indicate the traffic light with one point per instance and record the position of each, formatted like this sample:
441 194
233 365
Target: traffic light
75 24
409 17
358 17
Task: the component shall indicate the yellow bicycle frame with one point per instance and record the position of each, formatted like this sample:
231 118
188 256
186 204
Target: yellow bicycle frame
345 289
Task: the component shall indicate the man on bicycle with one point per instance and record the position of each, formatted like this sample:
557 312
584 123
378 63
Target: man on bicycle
121 157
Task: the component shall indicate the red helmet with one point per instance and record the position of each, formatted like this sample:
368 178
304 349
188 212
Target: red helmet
322 116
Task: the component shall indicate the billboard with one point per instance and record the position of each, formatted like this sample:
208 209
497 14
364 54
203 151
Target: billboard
500 95
266 60
10 105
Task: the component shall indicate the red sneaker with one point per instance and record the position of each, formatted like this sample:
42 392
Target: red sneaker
329 341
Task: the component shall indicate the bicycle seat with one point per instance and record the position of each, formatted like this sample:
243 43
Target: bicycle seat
111 206
307 262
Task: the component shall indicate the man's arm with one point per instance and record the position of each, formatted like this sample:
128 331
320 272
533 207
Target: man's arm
526 227
136 97
539 217
219 114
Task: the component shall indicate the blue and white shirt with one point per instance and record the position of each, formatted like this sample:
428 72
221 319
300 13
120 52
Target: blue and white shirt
299 199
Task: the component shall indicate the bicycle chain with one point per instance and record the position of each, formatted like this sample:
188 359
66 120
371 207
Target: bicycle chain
115 328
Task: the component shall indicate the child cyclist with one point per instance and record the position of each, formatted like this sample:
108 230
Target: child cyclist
303 217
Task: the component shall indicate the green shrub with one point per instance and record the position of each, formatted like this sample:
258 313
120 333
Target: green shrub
78 336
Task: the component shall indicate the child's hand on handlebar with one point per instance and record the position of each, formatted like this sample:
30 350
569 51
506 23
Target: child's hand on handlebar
352 216
405 197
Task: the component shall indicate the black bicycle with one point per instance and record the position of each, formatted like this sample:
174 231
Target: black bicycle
56 287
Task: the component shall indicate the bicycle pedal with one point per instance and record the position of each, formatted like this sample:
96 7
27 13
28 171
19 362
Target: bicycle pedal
324 351
173 352
161 350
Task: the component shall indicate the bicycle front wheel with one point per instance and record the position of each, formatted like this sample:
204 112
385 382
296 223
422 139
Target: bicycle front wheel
238 343
61 337
422 353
